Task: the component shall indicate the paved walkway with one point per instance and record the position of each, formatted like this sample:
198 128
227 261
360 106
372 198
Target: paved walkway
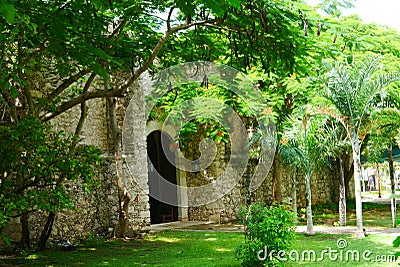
231 227
385 199
349 230
196 226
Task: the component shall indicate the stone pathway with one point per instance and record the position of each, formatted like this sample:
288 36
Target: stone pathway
196 226
232 227
385 199
320 229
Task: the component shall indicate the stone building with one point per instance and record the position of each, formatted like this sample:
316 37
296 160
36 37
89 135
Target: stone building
97 213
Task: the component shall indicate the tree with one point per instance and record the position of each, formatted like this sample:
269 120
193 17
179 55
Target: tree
384 132
38 167
83 44
306 146
347 96
341 164
289 157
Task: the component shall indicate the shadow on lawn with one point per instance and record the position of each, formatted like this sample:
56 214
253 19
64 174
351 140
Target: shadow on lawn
164 249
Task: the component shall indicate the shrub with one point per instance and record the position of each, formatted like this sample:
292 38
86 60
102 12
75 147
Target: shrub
267 228
38 167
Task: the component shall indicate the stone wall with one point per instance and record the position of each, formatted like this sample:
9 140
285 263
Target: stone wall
135 158
97 213
324 190
324 186
93 213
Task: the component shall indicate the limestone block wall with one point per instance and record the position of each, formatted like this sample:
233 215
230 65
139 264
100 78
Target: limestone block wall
135 158
97 212
104 200
324 187
93 213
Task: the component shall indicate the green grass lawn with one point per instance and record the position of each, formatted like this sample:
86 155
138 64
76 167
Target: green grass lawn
374 214
191 248
164 249
172 248
375 247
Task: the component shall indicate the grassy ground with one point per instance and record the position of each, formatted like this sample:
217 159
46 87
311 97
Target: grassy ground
374 215
378 250
190 248
164 249
202 249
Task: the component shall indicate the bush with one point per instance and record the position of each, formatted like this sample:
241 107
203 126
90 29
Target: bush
267 228
38 167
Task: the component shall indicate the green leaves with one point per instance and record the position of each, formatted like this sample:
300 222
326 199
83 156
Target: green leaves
352 89
7 10
36 164
267 228
234 3
310 141
207 104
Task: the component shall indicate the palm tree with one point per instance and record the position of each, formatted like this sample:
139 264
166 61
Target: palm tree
347 96
305 148
338 146
386 128
290 157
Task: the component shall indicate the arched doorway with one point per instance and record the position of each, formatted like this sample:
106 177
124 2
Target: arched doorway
161 212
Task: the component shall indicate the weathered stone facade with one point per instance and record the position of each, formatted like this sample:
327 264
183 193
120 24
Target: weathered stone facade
97 213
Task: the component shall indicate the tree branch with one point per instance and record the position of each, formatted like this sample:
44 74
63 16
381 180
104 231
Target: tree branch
29 99
10 103
117 32
66 84
84 108
169 17
79 99
232 28
121 89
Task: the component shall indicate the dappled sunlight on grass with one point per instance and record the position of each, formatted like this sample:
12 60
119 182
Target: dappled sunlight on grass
223 249
163 249
386 240
33 257
374 215
197 249
168 239
87 249
376 245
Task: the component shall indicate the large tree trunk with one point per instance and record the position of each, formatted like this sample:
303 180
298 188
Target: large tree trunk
392 186
342 193
25 240
310 226
123 195
46 231
357 184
